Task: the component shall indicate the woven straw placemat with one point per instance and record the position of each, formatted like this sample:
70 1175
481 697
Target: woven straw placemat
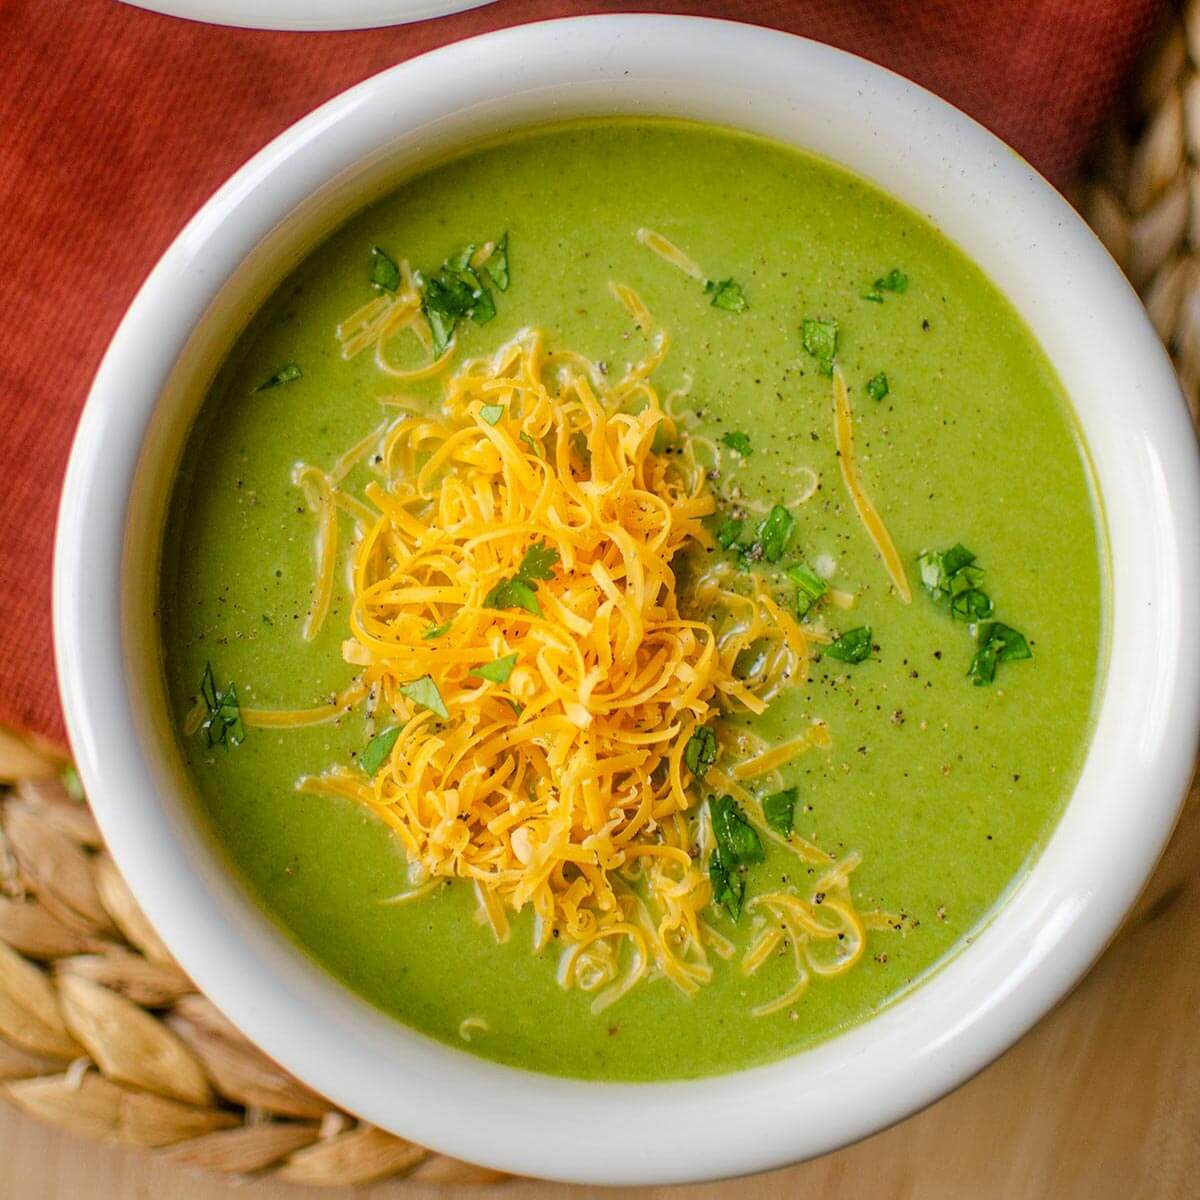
102 1033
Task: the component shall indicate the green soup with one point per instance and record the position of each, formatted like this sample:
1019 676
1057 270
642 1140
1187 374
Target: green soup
946 789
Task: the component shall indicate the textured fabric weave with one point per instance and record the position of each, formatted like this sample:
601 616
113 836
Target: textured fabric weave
116 124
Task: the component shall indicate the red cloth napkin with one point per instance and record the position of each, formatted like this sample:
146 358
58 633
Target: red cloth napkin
116 124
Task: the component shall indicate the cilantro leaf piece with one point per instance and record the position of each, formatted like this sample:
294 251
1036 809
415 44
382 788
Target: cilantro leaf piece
739 442
485 307
779 809
737 839
775 533
385 274
435 631
701 750
222 724
497 671
728 889
513 593
971 604
425 692
877 387
378 750
853 646
820 339
497 263
288 373
726 294
810 587
538 562
996 643
491 413
940 569
728 532
894 281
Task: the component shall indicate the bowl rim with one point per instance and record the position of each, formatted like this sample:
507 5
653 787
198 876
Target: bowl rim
311 15
1044 936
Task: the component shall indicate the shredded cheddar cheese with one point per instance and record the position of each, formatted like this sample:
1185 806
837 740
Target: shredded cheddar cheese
550 770
843 428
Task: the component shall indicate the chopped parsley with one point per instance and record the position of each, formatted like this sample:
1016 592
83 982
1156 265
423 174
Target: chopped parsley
701 750
222 724
728 887
820 338
739 442
877 387
518 591
288 373
726 294
775 533
728 532
952 578
378 750
498 671
497 263
385 274
853 646
779 809
810 587
491 413
737 840
738 845
996 643
425 692
456 291
435 631
895 281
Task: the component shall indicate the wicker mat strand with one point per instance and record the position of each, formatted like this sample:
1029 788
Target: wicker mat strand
103 1034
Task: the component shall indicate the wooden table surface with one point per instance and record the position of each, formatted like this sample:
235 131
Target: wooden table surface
1100 1102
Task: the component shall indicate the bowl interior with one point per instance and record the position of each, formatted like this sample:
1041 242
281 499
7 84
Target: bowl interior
287 200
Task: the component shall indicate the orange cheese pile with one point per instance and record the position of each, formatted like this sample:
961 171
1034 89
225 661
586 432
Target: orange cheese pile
564 787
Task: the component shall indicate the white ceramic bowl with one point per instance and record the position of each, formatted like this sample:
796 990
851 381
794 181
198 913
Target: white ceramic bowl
307 14
1053 924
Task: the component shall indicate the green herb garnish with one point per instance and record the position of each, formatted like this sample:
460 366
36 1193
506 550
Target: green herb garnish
491 413
894 281
737 839
951 578
971 604
425 692
853 646
877 387
497 263
435 631
738 441
725 294
820 339
779 809
378 750
728 887
810 587
288 373
775 533
497 671
385 274
701 750
531 442
222 725
728 532
997 643
518 592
